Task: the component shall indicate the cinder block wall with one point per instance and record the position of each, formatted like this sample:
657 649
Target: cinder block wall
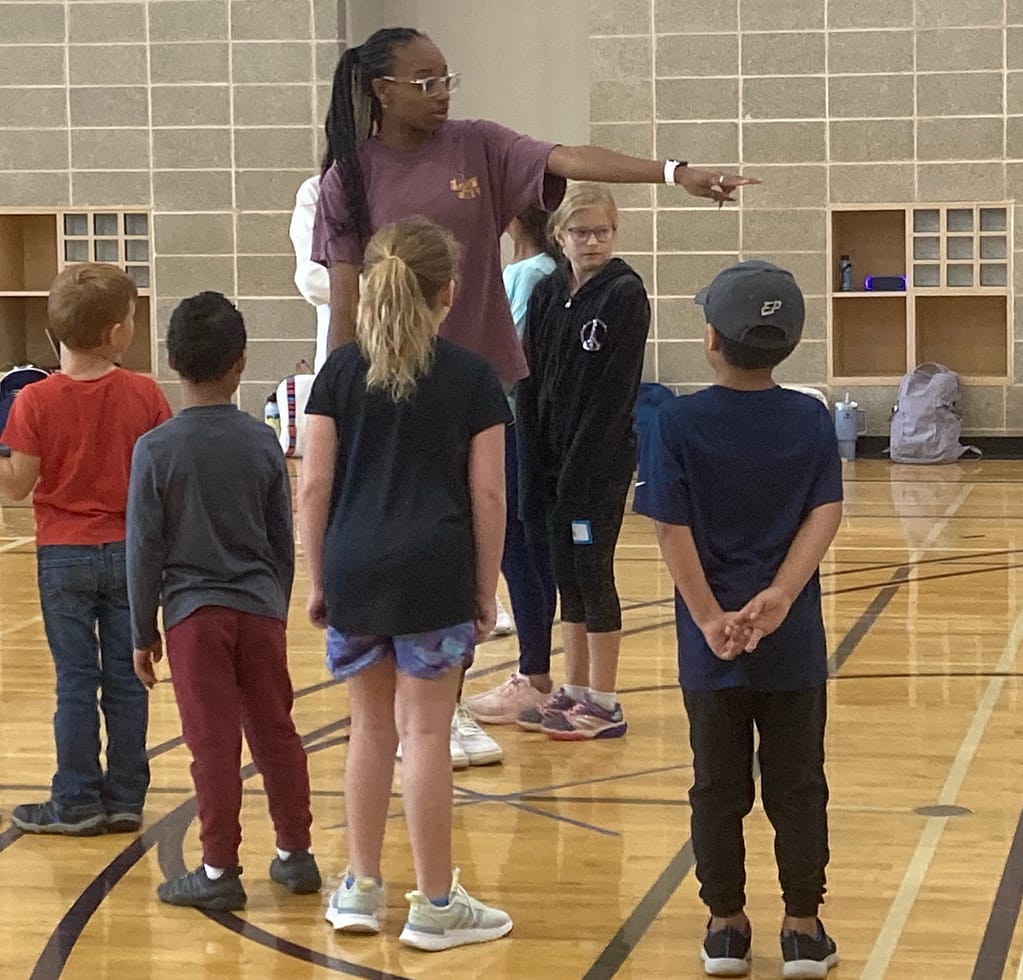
830 102
207 111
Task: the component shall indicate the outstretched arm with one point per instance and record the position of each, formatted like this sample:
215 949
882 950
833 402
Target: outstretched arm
596 163
767 610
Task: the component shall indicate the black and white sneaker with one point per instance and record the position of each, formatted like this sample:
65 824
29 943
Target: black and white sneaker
808 956
726 952
198 891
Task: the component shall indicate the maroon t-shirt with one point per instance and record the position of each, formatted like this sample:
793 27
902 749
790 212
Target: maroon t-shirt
471 177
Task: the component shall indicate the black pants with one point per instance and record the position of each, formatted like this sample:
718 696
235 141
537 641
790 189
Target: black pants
793 785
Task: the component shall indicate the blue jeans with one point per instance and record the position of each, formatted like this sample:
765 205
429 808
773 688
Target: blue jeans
526 567
84 597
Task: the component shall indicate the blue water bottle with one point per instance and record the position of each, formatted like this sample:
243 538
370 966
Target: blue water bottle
850 422
845 283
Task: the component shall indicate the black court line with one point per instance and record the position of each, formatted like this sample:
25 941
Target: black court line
71 926
1001 923
58 948
635 926
628 936
865 623
984 570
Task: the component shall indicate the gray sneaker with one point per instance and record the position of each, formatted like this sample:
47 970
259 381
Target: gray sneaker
47 818
196 890
124 822
353 908
299 874
462 921
532 719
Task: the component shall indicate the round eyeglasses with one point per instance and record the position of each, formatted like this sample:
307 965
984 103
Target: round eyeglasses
434 85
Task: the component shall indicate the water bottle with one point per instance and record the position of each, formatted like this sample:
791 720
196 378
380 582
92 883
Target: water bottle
845 274
850 422
272 413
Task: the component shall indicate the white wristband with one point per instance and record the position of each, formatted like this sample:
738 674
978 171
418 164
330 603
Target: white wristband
670 166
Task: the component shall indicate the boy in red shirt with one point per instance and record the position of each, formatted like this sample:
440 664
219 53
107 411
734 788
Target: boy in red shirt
71 437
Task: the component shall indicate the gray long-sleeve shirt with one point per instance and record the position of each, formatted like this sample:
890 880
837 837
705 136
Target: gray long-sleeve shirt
209 520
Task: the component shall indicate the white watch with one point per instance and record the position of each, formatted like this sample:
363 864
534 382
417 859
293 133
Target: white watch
670 166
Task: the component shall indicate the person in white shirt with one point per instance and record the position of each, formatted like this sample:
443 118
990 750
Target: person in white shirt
311 278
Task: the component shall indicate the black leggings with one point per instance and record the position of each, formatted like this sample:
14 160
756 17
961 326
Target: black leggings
585 573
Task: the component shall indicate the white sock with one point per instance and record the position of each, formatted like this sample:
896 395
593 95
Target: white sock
283 855
606 699
214 873
576 691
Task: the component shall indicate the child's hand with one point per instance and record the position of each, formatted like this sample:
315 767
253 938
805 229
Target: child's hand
143 661
762 615
316 609
486 616
726 635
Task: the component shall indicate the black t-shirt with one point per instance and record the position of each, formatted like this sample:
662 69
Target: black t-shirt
399 555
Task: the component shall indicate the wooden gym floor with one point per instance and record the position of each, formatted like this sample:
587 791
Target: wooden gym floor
586 845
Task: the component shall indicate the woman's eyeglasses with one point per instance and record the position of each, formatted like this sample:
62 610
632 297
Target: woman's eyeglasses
434 85
582 235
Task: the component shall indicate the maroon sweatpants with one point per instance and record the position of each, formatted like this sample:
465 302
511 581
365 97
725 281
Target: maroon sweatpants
230 673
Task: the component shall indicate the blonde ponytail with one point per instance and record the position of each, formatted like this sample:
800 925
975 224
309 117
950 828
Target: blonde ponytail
407 266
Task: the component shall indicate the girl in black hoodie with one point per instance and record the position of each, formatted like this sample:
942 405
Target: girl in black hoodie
584 340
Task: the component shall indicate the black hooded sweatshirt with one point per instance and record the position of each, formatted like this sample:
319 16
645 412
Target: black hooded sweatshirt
574 411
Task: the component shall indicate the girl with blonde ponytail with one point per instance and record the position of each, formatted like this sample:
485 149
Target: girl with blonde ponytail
402 509
400 309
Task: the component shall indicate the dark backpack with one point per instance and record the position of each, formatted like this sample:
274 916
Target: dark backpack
11 383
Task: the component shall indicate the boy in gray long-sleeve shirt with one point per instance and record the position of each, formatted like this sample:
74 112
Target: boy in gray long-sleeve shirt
209 536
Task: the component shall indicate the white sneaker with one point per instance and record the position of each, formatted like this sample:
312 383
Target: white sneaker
505 625
354 909
462 921
459 760
480 748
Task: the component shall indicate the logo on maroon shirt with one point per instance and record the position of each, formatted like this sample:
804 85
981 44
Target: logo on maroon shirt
467 188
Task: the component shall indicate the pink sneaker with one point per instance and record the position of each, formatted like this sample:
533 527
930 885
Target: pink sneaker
503 704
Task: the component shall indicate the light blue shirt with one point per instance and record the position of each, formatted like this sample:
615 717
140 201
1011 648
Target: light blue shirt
519 280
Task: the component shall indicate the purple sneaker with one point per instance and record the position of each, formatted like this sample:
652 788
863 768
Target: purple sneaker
585 721
532 719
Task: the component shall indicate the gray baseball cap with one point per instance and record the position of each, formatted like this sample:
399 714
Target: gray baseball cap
753 294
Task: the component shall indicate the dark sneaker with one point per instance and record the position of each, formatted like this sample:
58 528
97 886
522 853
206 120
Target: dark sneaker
584 721
532 719
808 956
298 874
124 822
726 952
45 818
197 891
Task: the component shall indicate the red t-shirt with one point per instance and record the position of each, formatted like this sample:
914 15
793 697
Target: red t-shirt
83 433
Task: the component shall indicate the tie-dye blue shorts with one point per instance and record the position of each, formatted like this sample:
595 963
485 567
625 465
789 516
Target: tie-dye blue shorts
423 655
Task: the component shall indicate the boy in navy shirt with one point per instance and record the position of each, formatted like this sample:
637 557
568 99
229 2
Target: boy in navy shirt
744 484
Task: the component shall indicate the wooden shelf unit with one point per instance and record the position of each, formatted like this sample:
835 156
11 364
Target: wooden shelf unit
36 245
957 305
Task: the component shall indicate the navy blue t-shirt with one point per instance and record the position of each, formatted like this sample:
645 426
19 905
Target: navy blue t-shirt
742 469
